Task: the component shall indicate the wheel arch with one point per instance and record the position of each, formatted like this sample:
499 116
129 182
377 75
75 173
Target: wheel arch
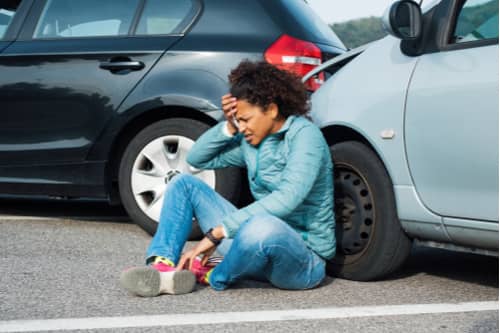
134 126
338 133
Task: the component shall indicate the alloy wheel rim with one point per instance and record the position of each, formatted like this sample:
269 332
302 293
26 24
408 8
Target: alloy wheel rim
154 168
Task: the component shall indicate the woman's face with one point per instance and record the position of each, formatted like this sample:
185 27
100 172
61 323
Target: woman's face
255 123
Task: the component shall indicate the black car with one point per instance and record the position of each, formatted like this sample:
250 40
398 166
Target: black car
104 98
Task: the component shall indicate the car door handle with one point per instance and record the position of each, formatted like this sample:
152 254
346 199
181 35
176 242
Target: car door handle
121 65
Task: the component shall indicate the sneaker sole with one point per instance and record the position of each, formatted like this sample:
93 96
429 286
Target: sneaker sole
146 282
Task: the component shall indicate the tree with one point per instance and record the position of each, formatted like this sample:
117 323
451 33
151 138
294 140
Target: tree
360 31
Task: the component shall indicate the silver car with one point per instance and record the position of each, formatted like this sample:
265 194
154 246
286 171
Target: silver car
412 120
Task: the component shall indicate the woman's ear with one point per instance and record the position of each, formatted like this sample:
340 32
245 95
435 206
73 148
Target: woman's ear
273 110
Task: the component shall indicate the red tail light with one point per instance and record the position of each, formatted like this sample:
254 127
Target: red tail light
297 56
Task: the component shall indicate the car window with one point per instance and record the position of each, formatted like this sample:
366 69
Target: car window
7 11
478 20
89 18
162 17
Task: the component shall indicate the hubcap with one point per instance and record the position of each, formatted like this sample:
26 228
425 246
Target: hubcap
353 210
155 167
170 175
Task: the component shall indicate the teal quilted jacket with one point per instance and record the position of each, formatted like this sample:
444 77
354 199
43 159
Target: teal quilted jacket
290 176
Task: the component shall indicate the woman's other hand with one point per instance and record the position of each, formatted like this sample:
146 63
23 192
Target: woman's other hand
205 247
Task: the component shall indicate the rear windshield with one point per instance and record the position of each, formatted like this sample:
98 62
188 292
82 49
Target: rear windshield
317 29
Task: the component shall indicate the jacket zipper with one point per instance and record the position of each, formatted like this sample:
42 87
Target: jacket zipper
256 176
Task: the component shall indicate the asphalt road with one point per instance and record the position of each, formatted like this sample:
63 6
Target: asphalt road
66 269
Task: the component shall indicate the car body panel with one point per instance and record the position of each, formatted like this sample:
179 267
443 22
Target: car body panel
338 61
354 95
43 118
415 218
62 180
3 45
455 167
401 106
187 88
472 232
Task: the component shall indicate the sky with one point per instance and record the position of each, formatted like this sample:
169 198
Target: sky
334 11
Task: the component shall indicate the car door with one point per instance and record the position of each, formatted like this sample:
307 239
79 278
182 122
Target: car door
72 65
451 120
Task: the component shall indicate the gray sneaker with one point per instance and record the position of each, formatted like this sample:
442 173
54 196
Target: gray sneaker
150 282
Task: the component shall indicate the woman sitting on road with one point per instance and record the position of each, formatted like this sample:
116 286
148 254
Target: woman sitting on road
286 235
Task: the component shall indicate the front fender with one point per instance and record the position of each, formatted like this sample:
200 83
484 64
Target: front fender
368 95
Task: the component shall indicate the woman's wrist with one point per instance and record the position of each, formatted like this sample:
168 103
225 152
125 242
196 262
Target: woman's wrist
212 236
218 232
230 130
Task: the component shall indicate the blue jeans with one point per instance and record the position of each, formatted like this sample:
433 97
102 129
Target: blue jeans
264 248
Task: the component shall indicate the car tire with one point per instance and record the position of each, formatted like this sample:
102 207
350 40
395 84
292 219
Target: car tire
370 240
159 151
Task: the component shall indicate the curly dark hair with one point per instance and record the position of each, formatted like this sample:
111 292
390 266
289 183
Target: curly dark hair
261 83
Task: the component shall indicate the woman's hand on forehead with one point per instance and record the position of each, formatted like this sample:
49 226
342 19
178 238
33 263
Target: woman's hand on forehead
229 108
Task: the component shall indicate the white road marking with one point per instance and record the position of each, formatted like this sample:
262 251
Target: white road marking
238 317
63 218
24 218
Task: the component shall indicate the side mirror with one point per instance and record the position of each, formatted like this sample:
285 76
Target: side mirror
403 19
